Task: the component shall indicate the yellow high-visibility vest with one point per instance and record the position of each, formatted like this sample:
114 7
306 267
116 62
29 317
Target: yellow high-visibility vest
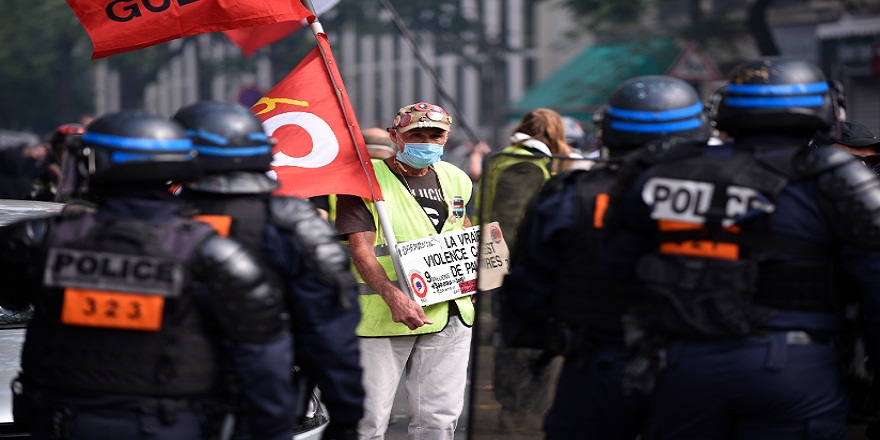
409 222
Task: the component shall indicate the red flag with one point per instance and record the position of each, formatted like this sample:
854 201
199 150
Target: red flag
253 38
117 26
320 148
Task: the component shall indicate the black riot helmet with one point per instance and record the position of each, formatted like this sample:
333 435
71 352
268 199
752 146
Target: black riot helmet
647 108
137 147
228 137
776 95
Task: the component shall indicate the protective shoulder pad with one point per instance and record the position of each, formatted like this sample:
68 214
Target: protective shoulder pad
318 239
817 160
245 302
850 193
22 247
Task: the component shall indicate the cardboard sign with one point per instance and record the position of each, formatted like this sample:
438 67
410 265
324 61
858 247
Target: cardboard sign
443 267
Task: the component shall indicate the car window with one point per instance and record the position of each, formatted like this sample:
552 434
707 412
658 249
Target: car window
17 210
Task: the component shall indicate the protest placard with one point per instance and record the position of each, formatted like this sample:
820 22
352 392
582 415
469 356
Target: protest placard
445 266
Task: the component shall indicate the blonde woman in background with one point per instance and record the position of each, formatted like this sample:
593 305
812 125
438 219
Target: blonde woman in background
510 179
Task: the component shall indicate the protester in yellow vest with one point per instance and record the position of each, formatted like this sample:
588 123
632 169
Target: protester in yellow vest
429 346
509 181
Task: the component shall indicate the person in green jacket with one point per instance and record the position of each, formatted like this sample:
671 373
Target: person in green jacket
510 179
514 175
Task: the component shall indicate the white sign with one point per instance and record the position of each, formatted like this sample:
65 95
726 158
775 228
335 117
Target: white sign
443 267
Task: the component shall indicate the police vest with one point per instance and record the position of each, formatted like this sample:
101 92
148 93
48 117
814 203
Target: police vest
583 295
119 316
244 214
494 168
716 262
409 222
241 217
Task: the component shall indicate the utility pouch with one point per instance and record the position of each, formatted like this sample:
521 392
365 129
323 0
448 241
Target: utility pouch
701 297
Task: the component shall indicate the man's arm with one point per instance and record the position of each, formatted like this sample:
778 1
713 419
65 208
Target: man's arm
403 308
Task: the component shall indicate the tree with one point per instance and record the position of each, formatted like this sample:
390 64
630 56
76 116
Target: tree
613 19
43 78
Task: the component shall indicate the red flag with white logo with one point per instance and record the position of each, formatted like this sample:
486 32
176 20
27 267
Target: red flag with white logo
117 26
320 148
249 40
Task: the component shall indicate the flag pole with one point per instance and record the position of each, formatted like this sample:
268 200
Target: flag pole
351 122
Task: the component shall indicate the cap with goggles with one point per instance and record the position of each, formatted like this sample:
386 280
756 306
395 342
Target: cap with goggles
422 115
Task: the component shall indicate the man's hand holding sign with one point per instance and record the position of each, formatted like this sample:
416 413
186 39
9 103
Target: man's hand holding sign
445 266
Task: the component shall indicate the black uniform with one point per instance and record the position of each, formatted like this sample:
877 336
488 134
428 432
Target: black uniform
134 310
747 251
562 296
298 249
146 323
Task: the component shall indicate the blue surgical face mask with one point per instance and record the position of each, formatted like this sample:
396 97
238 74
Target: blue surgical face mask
420 155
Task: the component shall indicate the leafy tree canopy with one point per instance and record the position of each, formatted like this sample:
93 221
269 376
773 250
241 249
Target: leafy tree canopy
42 83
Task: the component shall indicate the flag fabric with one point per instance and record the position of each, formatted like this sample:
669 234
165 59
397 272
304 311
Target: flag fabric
252 38
118 26
249 40
320 148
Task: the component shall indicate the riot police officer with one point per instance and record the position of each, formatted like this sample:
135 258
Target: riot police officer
559 296
743 248
293 243
137 309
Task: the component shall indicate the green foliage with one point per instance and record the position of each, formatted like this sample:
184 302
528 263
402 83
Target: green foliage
43 80
615 20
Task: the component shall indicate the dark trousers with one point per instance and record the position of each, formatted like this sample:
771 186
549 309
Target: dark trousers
756 388
112 424
590 403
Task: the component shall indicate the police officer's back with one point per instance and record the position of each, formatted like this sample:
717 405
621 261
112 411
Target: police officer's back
559 296
744 249
135 307
293 243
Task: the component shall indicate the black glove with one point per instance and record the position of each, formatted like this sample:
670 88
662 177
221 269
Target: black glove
334 432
